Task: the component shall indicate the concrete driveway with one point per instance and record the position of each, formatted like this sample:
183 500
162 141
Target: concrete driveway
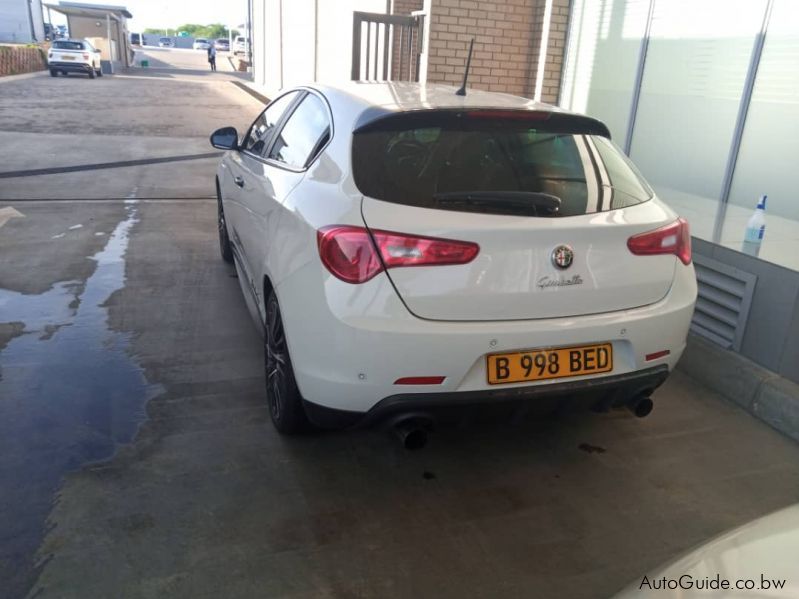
136 454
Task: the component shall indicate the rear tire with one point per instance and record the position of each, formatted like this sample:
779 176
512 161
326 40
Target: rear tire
53 73
282 394
100 72
224 241
92 73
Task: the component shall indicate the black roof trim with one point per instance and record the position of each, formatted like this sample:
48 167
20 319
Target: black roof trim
376 117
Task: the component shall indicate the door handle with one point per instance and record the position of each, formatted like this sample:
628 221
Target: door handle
238 181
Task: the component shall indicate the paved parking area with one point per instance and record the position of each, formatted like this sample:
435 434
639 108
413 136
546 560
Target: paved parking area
136 454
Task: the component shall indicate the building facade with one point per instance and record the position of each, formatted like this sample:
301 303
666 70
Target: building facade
518 44
21 21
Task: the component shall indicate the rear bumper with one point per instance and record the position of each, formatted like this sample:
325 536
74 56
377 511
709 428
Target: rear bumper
72 67
350 344
604 393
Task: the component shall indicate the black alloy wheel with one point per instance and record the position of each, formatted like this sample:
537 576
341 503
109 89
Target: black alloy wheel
282 394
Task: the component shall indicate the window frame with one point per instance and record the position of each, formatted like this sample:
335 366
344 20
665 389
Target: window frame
304 92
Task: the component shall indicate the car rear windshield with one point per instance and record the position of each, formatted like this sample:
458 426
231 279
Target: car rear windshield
527 163
65 45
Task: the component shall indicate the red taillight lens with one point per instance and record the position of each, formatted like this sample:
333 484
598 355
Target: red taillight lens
674 238
355 255
85 56
348 253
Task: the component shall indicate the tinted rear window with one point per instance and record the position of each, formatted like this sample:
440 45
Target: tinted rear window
414 160
64 45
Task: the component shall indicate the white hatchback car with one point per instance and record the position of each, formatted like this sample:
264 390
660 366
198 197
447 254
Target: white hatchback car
74 56
406 249
201 44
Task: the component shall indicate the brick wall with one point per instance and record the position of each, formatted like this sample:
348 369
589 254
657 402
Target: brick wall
507 40
15 60
558 29
408 70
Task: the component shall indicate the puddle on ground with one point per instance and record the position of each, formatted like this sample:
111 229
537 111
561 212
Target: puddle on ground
70 394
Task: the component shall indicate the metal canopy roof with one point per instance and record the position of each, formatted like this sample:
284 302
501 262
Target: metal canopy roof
93 11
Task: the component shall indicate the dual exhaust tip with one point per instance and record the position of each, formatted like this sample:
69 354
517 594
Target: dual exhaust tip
412 430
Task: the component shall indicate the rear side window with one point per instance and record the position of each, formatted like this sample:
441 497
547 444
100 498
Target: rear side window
627 184
65 45
304 134
485 162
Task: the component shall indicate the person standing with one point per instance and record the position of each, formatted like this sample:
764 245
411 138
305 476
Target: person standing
212 57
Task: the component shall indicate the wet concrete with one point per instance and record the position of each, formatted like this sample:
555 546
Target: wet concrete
71 393
71 388
209 501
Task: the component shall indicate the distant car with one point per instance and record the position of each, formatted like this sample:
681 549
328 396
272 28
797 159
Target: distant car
136 39
240 45
166 42
74 56
222 44
62 31
201 44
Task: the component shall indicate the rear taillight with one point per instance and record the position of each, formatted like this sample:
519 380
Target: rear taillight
85 56
355 255
674 238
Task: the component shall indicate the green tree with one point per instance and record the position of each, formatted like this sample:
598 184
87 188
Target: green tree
212 31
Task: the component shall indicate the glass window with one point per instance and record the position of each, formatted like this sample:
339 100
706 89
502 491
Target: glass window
602 60
438 164
257 137
303 135
696 66
627 183
65 45
767 157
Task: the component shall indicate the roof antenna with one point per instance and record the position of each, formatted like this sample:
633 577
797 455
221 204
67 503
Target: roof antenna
462 90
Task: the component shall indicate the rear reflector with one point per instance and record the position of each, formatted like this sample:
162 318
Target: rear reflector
657 354
355 255
674 238
420 380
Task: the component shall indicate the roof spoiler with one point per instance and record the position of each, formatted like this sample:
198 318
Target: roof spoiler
553 121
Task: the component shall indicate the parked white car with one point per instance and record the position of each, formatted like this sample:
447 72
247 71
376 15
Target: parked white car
240 45
201 44
757 559
166 42
405 249
74 56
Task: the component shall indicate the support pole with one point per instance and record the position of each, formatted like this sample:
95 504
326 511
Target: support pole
110 47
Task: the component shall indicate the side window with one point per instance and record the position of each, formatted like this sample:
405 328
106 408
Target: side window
303 135
258 136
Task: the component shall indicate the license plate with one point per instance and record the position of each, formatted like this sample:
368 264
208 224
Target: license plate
67 57
552 363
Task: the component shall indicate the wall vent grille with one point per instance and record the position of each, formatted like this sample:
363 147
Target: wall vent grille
722 307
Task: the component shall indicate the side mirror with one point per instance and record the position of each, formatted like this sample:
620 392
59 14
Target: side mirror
226 138
97 51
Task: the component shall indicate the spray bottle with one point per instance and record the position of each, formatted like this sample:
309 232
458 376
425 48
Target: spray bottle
755 229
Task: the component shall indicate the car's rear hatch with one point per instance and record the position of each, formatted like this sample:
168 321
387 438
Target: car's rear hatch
68 51
448 174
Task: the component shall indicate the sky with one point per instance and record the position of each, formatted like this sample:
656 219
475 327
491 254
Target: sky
171 13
